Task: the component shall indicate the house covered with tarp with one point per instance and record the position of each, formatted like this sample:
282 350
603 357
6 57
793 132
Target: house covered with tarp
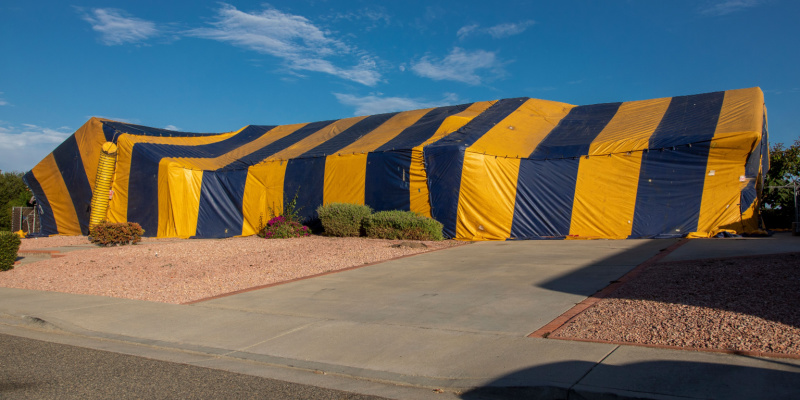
517 168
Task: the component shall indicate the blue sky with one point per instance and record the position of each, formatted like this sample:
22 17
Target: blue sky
209 66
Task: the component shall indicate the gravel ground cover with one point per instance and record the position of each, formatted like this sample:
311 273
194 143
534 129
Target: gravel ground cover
179 271
738 304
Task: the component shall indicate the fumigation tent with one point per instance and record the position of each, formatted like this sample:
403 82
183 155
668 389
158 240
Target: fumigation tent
517 168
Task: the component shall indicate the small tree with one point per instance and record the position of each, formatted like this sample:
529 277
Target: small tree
778 206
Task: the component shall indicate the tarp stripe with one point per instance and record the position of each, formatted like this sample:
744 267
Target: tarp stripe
307 178
387 177
90 139
146 159
631 127
475 129
114 127
221 199
263 194
486 197
575 133
444 161
178 200
68 158
57 194
543 206
305 171
520 132
423 129
118 206
274 148
546 189
418 180
349 136
491 166
345 173
44 210
726 177
386 184
671 179
605 191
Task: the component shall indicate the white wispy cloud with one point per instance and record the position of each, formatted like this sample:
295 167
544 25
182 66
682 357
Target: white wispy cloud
117 27
460 66
3 101
729 6
293 38
377 104
497 31
367 18
172 128
23 146
467 30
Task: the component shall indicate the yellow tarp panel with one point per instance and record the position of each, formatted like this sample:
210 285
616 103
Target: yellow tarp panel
345 178
631 127
263 195
605 196
738 131
486 200
178 199
57 194
518 134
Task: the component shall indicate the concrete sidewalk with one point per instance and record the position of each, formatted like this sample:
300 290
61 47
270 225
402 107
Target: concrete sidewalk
454 320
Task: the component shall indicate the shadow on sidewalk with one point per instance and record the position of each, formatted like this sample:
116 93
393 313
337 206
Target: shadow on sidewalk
645 380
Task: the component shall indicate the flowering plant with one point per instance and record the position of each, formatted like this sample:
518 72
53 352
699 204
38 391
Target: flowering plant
281 228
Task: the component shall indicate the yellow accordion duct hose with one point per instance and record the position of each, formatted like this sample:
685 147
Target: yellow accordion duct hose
102 186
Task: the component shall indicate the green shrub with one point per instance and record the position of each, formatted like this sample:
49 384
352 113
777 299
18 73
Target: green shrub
402 225
282 228
343 219
111 233
9 247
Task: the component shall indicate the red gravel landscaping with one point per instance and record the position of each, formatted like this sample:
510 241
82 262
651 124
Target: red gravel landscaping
748 304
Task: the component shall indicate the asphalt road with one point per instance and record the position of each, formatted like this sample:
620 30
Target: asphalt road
33 369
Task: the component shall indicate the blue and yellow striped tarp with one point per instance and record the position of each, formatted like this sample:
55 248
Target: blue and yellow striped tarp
517 168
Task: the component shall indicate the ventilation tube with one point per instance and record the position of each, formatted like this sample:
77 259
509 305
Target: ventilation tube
102 185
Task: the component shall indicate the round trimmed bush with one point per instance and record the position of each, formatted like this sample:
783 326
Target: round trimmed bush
343 219
402 225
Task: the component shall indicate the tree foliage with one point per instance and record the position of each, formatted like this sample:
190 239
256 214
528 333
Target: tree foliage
778 203
13 193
